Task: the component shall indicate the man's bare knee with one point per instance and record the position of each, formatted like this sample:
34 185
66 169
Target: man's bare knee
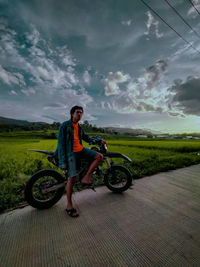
99 157
71 180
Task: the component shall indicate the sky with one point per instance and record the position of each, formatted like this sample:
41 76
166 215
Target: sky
116 58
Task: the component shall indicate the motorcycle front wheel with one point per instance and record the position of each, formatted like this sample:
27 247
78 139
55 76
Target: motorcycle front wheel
39 190
118 179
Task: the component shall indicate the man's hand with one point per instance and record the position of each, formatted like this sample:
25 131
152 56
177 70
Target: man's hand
103 142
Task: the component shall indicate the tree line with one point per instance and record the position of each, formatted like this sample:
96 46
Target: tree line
39 126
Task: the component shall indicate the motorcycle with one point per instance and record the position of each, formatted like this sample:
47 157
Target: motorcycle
46 187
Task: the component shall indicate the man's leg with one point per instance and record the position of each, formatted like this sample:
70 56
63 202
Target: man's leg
87 178
69 191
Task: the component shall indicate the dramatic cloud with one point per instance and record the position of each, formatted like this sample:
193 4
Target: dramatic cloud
28 92
151 22
12 92
144 94
87 77
9 78
33 37
113 81
127 22
187 95
192 12
149 93
66 56
56 54
43 73
42 63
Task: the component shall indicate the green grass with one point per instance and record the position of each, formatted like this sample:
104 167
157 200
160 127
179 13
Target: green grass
173 145
149 157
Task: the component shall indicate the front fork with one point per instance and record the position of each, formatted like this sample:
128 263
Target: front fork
109 162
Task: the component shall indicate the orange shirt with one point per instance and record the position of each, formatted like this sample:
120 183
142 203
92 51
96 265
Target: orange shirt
77 146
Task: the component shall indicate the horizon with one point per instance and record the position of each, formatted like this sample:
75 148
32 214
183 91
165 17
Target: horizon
109 126
118 60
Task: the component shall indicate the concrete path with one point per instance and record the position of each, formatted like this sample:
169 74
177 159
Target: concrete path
155 224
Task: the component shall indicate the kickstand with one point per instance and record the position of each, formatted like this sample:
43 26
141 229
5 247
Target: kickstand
92 187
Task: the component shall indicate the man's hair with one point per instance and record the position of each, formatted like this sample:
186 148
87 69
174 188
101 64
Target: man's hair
74 108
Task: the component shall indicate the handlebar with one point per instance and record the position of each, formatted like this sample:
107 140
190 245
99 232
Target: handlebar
96 140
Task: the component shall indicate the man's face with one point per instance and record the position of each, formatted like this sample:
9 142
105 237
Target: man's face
77 116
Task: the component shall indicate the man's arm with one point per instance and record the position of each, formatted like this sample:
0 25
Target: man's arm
88 139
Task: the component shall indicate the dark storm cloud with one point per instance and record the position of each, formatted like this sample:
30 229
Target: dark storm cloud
187 95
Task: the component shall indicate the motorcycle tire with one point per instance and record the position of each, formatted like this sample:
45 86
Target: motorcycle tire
38 182
118 179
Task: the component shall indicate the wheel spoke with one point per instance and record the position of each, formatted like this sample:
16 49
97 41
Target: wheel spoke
118 178
41 186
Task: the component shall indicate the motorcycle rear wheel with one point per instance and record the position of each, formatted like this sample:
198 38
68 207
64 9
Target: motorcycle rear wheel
118 179
35 188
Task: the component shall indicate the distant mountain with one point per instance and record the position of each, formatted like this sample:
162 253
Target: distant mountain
23 123
9 121
129 131
19 123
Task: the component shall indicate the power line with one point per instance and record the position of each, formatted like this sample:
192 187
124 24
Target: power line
194 6
170 26
182 18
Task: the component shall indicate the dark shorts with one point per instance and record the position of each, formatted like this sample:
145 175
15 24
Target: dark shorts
86 153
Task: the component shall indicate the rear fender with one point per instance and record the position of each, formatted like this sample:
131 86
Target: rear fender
50 153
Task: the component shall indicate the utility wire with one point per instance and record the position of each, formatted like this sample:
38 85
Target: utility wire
170 26
194 6
182 18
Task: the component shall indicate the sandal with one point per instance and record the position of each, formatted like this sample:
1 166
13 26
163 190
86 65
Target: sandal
72 212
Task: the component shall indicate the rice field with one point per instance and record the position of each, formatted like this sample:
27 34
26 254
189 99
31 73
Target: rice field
149 157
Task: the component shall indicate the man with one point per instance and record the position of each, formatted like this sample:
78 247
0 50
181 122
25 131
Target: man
70 148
